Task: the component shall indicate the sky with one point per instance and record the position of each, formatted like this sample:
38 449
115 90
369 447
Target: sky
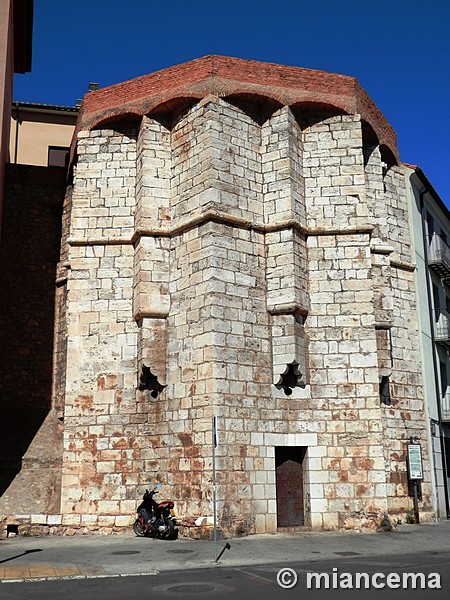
399 50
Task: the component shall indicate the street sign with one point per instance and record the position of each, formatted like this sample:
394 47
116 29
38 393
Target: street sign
415 470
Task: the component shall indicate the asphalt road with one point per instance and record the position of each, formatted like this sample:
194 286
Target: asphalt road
252 583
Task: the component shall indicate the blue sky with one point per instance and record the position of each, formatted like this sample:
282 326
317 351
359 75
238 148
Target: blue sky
398 50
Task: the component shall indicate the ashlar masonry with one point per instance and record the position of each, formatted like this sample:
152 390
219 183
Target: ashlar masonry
237 245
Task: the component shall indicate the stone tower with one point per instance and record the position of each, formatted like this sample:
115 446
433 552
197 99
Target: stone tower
236 244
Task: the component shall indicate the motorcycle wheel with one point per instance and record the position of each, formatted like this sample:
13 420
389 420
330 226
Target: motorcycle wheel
169 533
139 528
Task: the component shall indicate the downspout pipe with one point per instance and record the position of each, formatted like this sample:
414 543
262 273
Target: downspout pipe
433 341
16 141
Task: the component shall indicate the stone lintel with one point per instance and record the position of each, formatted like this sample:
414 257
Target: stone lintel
287 309
154 313
106 241
403 266
381 249
344 230
383 325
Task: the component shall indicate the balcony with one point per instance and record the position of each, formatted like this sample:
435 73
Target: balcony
442 328
439 257
445 407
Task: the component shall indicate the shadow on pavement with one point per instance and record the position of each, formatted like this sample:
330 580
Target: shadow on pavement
19 555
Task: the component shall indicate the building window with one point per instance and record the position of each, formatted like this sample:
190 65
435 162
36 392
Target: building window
430 227
436 300
58 156
385 391
444 380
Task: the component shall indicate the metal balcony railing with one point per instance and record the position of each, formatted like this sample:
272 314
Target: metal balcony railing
442 327
439 256
445 407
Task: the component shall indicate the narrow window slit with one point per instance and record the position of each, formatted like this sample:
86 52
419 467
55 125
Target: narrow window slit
385 391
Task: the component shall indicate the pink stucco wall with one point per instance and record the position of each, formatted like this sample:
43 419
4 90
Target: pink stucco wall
6 80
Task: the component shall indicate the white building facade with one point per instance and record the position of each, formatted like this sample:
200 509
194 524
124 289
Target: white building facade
430 227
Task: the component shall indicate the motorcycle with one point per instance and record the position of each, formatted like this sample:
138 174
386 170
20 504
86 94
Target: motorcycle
155 519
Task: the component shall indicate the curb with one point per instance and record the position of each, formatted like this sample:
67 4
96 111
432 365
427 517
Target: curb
77 577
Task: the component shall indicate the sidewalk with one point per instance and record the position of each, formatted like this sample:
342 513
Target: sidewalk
32 558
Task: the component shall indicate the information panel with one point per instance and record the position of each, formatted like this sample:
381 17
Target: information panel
415 461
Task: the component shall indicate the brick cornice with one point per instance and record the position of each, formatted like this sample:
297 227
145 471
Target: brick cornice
226 76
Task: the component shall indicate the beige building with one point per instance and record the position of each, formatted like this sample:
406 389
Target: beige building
41 134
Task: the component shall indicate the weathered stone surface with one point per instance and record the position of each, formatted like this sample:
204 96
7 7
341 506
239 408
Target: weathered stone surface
217 250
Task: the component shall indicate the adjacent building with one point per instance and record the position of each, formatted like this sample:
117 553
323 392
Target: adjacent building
430 224
16 25
41 134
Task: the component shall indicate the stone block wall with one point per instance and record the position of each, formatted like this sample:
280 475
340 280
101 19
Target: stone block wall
253 269
334 172
102 412
344 380
244 257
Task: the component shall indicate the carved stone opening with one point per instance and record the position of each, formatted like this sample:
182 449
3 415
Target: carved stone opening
12 530
385 391
148 381
290 378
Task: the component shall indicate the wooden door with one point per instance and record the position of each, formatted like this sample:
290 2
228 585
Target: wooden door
289 484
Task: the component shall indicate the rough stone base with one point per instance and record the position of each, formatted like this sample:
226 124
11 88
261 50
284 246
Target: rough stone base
60 525
204 532
69 525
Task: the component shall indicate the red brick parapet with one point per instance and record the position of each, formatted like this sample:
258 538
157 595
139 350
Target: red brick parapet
225 76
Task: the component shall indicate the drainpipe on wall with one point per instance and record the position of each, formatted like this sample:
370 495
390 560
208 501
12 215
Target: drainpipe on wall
16 141
435 366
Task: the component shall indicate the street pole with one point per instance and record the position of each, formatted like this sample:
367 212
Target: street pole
214 444
416 502
415 472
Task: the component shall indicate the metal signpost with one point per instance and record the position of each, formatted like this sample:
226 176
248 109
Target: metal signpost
415 472
214 446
